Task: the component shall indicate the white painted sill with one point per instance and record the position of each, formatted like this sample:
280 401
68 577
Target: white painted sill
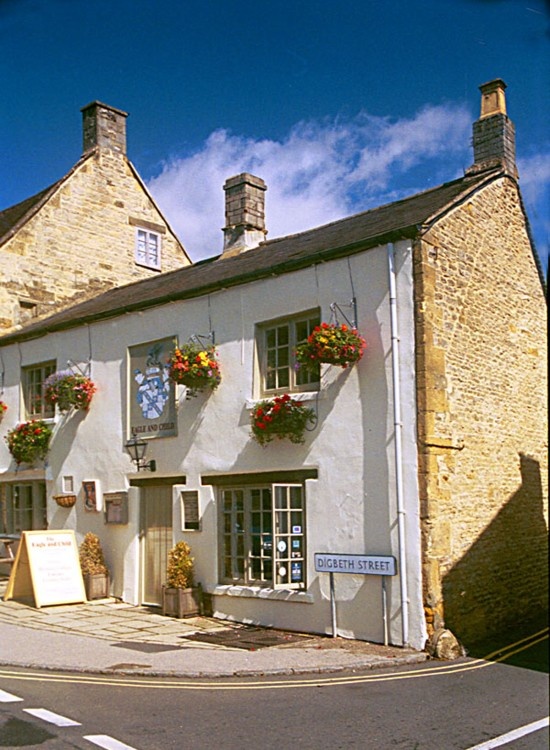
251 403
258 592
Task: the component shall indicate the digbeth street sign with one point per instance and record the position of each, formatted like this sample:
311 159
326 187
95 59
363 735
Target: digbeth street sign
375 565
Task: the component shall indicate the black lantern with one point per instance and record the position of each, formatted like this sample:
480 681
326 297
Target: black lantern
137 449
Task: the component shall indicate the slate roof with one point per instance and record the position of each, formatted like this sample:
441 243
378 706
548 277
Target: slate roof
393 221
14 216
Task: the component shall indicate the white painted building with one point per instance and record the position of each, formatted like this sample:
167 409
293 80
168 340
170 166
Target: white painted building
345 472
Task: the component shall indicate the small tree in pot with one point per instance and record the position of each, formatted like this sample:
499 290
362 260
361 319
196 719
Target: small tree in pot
179 597
94 570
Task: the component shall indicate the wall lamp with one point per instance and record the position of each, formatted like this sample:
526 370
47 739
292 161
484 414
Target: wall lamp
137 449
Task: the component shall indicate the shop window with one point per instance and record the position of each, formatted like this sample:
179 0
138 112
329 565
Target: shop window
32 380
263 536
277 342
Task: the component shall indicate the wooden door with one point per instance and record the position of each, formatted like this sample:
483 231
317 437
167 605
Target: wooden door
156 513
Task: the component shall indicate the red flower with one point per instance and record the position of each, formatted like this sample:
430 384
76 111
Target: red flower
282 418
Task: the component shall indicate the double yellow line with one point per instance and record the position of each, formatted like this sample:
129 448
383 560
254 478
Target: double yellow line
283 683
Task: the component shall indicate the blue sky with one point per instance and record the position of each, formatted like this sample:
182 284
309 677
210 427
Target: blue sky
338 106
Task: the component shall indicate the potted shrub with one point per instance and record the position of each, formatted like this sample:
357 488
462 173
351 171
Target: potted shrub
195 367
94 570
331 344
281 418
29 441
67 390
179 597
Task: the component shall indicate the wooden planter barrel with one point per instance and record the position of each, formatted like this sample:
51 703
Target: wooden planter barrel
182 602
96 585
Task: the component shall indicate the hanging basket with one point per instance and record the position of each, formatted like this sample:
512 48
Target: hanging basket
281 418
195 367
65 501
29 441
68 390
331 344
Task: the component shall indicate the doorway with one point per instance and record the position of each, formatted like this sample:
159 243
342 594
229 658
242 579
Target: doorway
156 515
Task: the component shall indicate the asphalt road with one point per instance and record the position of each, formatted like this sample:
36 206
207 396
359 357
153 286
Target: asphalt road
433 706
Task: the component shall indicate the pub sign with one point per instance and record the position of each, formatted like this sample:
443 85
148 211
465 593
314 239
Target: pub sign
152 408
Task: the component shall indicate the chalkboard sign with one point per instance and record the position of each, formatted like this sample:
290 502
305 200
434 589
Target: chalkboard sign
47 567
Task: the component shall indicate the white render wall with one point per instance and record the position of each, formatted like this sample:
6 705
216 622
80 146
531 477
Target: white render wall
350 508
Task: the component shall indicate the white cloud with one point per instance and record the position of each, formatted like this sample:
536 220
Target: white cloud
320 171
534 180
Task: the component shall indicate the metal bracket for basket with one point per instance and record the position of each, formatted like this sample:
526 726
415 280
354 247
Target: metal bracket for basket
77 369
335 308
205 340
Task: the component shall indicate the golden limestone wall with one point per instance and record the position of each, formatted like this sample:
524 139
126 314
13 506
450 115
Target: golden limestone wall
482 391
81 241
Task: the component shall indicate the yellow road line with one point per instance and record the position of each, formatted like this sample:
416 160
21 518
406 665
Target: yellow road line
164 683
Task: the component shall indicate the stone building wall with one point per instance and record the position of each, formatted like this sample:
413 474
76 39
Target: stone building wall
81 241
482 394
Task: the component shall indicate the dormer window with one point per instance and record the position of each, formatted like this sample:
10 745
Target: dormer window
148 246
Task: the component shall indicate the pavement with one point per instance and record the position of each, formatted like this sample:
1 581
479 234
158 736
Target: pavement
108 636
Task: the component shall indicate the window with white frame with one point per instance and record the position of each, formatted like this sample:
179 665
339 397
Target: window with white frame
263 536
32 379
23 507
148 249
277 342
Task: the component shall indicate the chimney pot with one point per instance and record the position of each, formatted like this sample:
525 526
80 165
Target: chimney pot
493 99
104 127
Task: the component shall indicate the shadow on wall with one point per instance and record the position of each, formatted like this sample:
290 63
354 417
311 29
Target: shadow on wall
502 581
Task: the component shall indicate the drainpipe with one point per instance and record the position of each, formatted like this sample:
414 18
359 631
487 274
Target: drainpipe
398 427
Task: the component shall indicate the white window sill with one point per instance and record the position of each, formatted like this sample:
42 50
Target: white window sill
47 420
251 403
258 592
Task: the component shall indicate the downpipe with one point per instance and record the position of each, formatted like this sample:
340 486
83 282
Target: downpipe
398 443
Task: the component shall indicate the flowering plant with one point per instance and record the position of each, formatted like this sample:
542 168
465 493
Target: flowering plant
65 389
331 344
281 417
195 367
3 409
29 441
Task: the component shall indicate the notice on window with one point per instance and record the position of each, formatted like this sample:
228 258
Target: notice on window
47 568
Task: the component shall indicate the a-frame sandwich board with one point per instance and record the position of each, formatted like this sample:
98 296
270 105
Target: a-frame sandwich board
47 569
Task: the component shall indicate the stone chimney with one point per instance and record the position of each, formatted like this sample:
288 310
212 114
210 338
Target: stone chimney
244 213
103 127
494 133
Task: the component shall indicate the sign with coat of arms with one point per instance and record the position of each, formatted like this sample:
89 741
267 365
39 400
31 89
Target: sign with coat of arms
152 397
